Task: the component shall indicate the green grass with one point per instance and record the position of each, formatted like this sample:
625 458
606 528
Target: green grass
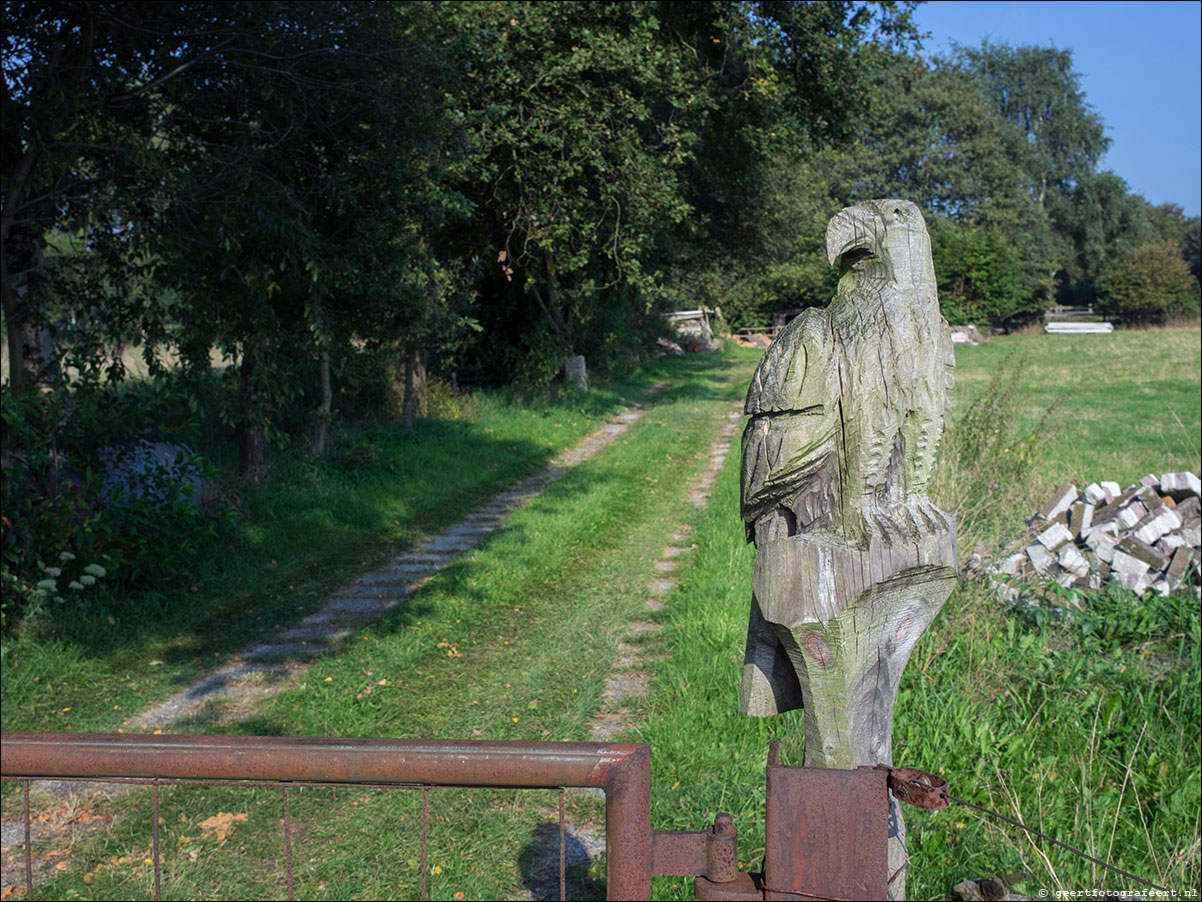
1005 708
309 528
1036 411
1123 404
536 613
1086 726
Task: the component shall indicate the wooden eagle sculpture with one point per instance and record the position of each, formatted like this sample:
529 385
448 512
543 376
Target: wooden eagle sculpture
853 560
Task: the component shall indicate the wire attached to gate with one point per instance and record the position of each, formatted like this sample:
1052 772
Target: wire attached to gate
930 792
1067 847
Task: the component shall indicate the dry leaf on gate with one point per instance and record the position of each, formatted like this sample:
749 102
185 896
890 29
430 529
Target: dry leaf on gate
219 825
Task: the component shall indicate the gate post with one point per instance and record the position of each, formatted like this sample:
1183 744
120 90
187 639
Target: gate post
853 561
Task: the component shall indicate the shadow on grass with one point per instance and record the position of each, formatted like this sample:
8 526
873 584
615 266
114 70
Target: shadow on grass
538 862
301 536
707 377
312 527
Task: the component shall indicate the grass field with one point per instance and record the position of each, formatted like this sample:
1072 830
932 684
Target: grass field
1066 408
1087 731
311 527
1088 728
535 613
1123 401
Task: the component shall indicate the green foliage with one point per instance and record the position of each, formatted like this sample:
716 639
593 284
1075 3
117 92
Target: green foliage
791 84
781 263
1191 246
580 117
619 335
1097 222
978 273
538 360
1109 620
59 499
27 600
493 185
1153 283
1055 135
937 141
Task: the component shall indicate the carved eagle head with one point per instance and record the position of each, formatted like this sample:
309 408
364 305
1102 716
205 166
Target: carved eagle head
884 239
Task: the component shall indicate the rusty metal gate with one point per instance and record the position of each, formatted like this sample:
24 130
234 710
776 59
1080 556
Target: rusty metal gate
826 829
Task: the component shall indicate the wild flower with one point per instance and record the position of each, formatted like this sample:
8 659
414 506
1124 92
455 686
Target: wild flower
76 585
95 570
48 584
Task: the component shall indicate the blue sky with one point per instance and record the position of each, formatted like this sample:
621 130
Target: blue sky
1140 70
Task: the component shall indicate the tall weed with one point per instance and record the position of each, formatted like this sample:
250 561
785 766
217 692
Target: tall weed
445 401
988 454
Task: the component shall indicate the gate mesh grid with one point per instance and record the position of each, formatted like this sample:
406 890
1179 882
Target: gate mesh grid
161 802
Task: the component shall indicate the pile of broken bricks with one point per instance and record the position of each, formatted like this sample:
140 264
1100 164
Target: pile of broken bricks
1144 536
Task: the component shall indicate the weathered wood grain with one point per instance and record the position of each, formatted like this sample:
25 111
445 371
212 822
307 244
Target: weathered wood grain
853 561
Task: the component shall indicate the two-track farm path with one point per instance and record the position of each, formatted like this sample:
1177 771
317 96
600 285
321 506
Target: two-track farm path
259 669
236 689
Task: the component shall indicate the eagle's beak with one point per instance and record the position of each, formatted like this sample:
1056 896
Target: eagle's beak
853 228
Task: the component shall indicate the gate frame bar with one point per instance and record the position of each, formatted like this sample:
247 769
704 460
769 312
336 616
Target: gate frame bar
622 770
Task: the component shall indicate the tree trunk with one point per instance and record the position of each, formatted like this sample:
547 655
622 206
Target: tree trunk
414 404
250 429
32 360
560 325
12 332
325 410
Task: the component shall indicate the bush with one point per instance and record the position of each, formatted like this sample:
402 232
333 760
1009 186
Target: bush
1151 284
978 274
78 488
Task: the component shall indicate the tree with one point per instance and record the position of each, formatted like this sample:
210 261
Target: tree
1058 137
619 144
334 153
934 141
937 142
581 117
1097 221
1152 283
1169 223
254 156
1191 247
979 274
75 138
790 84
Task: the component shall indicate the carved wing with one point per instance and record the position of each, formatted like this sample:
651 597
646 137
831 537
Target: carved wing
791 436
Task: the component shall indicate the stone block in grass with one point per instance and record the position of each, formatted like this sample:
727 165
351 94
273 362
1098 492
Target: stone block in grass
1059 502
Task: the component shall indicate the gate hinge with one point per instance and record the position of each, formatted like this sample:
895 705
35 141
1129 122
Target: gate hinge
712 853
